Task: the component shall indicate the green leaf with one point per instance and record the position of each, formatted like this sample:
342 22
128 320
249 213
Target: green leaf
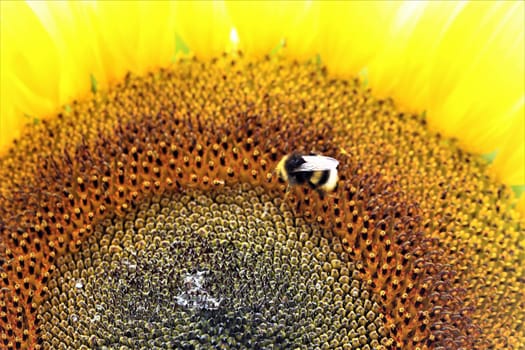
318 60
518 190
278 48
34 120
94 83
363 77
180 45
489 157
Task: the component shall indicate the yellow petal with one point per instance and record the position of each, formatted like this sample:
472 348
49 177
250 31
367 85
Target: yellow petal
263 25
509 165
131 36
29 73
302 38
480 87
10 124
352 33
205 26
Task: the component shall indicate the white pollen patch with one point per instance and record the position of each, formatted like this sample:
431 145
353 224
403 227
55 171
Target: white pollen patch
194 295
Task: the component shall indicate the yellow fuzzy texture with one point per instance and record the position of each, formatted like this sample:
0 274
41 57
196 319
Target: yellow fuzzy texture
460 62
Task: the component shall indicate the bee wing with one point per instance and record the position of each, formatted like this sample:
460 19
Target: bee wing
317 163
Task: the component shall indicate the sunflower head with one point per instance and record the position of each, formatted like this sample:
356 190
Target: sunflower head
150 215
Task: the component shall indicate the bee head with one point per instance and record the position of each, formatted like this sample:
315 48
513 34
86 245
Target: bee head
293 161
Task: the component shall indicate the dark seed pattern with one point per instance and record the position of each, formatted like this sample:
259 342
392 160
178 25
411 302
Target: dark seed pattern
102 221
224 269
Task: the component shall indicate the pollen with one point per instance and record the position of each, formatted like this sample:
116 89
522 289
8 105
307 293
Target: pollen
150 216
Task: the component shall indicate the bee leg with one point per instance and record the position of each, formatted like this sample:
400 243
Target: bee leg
321 194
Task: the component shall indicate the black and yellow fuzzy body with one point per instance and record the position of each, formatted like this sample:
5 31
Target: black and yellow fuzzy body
319 172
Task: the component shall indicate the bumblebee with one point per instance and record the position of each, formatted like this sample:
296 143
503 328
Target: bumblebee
319 172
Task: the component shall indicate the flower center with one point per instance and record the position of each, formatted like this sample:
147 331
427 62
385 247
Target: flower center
225 268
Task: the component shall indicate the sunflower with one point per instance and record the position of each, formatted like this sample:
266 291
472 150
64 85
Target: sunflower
139 206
